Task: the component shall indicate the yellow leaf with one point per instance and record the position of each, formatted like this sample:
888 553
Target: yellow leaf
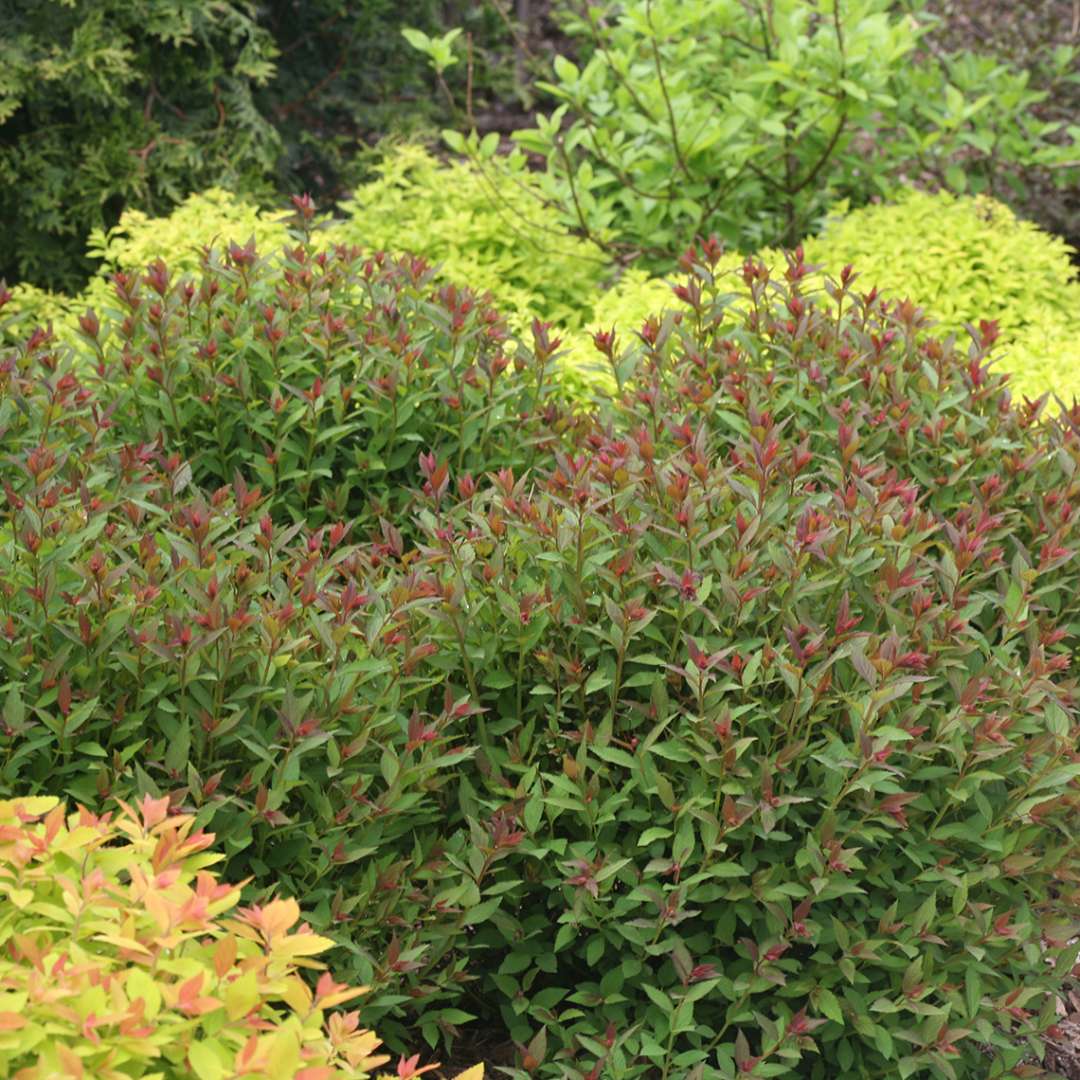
123 942
34 806
140 985
341 997
299 945
297 996
204 1062
278 916
475 1073
241 996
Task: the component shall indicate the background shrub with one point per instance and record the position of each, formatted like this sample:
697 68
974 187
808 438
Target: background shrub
108 104
968 259
1039 39
488 225
684 119
346 77
698 118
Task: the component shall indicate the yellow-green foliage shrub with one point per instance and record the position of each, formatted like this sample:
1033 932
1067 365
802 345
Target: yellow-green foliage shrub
120 958
622 308
486 225
212 218
966 259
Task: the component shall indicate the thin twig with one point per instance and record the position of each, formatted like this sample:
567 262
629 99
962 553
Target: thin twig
825 155
560 143
664 91
469 80
520 41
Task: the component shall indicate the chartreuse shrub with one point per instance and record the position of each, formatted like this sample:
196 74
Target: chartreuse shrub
967 259
487 224
730 732
124 955
210 219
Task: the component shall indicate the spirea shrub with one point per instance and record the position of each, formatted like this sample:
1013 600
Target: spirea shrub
124 955
158 635
320 374
779 724
730 731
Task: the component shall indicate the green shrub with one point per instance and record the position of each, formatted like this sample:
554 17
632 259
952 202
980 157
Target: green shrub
754 688
1038 39
121 958
967 259
749 120
107 104
347 76
701 117
975 125
779 732
321 374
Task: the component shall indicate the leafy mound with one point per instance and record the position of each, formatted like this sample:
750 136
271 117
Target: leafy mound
754 685
967 259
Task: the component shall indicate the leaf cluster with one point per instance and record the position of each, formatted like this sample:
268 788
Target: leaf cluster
124 954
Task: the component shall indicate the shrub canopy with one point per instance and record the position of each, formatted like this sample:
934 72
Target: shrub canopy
754 684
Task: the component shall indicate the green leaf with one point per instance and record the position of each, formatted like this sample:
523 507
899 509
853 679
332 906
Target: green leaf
205 1062
659 998
417 39
972 991
481 912
956 178
828 1004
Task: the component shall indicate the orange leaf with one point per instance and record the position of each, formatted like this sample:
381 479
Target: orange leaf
224 956
153 810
